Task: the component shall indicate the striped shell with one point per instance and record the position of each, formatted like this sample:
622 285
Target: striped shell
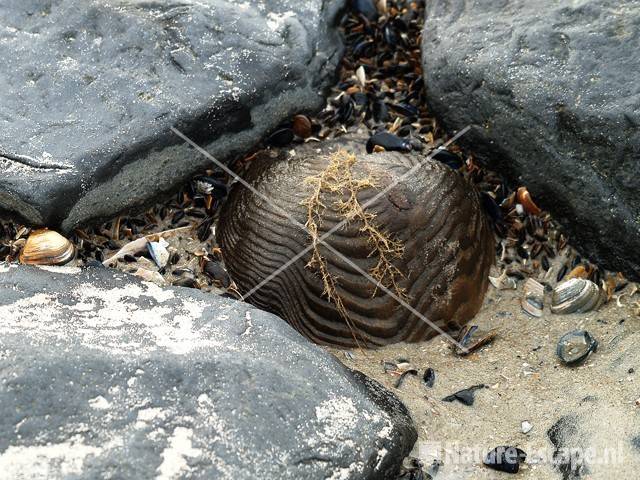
576 295
46 247
434 212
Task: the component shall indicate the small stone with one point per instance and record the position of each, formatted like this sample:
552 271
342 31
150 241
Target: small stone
526 427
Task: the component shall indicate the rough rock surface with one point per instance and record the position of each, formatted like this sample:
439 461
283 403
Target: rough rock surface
106 376
89 91
551 91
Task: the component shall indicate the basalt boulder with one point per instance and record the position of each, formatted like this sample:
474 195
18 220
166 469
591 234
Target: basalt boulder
89 91
105 376
551 91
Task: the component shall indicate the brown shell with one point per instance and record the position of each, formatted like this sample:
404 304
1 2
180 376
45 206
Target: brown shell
301 126
46 247
524 198
435 213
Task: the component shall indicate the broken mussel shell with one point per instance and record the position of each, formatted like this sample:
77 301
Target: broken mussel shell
504 282
576 295
470 340
403 375
466 397
328 294
46 247
574 347
158 252
524 198
505 459
533 298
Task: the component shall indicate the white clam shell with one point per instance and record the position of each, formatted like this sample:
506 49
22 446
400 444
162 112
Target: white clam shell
576 295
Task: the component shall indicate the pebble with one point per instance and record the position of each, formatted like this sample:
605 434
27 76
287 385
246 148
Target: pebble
526 427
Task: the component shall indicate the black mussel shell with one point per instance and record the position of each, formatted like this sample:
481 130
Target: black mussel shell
576 261
404 109
466 396
380 111
491 207
620 287
401 24
389 142
562 273
179 215
391 36
574 347
214 186
360 99
448 158
366 8
404 131
281 138
217 273
522 252
505 459
545 263
346 109
204 229
429 377
364 48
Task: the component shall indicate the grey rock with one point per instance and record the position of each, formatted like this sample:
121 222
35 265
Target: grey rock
105 376
551 90
89 91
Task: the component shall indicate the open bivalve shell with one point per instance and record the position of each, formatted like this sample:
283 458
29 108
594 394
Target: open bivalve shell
46 247
574 347
577 295
533 299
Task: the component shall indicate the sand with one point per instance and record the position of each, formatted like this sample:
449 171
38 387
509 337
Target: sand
527 382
